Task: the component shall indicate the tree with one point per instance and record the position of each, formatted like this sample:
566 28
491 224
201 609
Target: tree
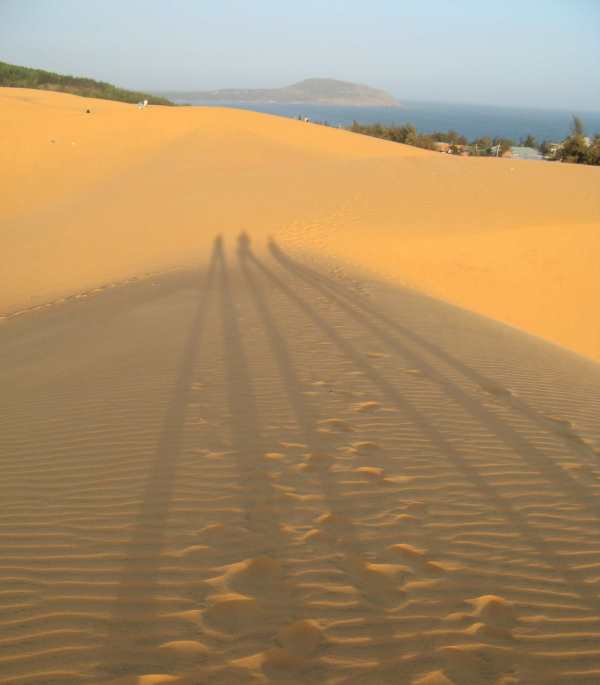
410 134
425 141
529 141
574 148
504 143
483 142
577 127
593 151
482 145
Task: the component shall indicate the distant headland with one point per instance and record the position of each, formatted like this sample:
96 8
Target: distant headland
314 91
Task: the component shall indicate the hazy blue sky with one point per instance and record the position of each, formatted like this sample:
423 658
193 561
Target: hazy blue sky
539 53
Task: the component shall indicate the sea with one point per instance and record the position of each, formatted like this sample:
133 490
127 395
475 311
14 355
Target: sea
472 121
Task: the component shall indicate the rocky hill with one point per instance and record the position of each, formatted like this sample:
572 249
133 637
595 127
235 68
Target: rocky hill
315 91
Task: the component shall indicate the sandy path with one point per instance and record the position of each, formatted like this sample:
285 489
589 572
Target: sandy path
265 471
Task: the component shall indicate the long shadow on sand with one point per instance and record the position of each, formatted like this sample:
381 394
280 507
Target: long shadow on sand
346 546
361 311
436 438
353 558
517 404
131 635
247 442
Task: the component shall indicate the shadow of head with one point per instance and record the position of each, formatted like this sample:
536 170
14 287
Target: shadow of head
274 247
243 243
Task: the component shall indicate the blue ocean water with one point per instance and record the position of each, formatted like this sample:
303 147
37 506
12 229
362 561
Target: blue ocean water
472 121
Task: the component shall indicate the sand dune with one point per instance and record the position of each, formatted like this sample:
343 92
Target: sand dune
92 199
263 463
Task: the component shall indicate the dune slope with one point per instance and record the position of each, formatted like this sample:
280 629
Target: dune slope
89 199
262 472
267 460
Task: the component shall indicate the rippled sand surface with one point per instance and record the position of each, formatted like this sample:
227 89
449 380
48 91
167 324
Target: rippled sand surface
228 458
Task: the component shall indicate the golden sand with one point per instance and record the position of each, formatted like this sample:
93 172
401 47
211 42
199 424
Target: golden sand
267 461
89 199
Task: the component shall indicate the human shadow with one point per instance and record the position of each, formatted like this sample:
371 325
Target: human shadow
306 416
351 556
247 440
436 438
131 638
513 439
489 385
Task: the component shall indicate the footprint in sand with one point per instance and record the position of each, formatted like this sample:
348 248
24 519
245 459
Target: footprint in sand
408 551
492 610
314 535
378 582
338 425
218 534
153 679
293 446
371 472
192 616
185 650
208 454
496 390
565 428
433 678
331 523
276 663
234 613
364 447
273 456
327 434
417 373
260 575
197 421
572 467
441 567
482 662
301 639
366 407
191 552
417 505
316 462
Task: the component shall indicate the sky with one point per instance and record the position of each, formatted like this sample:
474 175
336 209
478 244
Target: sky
529 53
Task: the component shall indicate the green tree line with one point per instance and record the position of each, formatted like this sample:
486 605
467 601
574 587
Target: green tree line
15 76
408 134
576 148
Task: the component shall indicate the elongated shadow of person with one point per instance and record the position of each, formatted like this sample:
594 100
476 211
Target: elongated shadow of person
132 635
244 243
